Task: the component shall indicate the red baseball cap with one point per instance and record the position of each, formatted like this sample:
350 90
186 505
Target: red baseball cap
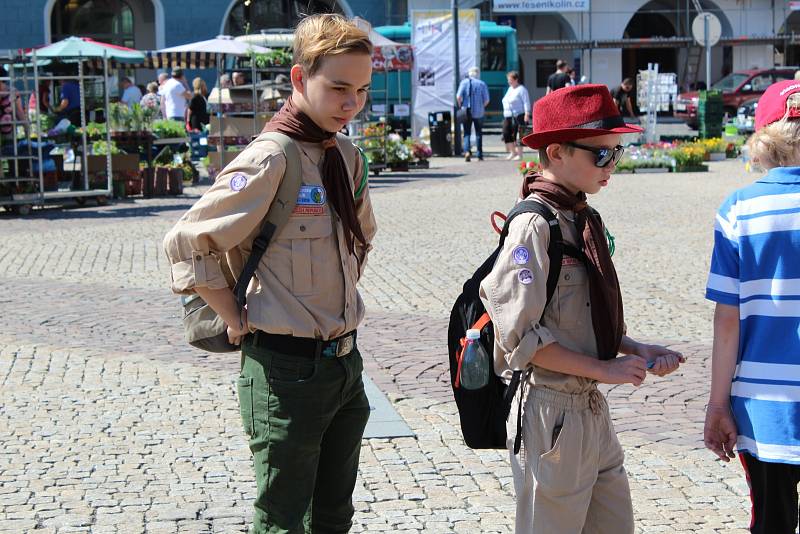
772 104
574 113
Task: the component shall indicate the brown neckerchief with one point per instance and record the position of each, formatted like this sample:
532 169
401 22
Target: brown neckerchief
297 125
607 315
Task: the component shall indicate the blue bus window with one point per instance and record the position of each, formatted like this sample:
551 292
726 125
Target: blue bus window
493 54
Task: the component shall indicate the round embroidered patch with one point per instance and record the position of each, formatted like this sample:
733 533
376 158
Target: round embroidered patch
521 255
525 276
238 181
318 195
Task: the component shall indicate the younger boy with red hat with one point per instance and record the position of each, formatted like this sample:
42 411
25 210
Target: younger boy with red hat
568 475
755 281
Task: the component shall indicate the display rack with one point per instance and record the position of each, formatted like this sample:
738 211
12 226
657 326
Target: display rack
26 171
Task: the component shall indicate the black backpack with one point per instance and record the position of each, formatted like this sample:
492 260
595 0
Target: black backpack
484 412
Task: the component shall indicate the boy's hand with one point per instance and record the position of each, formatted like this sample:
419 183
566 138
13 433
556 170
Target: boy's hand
630 369
661 360
238 329
720 432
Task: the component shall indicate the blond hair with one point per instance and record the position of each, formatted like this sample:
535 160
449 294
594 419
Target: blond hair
778 144
199 86
323 35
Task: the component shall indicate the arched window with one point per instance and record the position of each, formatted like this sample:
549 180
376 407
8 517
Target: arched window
256 15
110 21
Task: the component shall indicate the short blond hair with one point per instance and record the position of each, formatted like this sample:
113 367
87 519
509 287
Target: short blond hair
323 35
778 144
199 86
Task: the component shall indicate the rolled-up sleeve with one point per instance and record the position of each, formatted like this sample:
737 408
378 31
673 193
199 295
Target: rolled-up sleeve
223 218
515 292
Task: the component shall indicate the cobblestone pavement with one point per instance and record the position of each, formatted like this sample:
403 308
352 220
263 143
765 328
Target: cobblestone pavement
108 423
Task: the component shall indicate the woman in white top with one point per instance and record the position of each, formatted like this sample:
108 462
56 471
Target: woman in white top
516 113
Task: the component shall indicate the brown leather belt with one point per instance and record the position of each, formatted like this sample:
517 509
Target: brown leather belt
307 347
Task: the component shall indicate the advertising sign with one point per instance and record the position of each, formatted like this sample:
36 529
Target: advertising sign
539 6
432 81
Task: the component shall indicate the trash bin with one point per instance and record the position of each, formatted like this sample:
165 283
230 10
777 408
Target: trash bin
439 124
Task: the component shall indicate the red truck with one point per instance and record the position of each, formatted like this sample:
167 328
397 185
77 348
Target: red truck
737 88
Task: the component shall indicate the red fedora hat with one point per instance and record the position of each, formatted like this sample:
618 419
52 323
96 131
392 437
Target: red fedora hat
575 113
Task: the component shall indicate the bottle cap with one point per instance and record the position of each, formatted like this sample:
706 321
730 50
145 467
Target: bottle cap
473 333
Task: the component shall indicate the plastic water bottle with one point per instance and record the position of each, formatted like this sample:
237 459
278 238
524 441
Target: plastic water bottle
475 363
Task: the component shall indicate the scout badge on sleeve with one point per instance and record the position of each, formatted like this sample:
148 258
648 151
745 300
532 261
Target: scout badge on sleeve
483 412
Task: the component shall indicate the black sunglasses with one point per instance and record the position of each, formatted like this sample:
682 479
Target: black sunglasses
605 156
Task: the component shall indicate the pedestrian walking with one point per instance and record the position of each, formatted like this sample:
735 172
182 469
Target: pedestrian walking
516 114
559 79
622 97
174 96
472 98
755 370
301 395
568 475
197 114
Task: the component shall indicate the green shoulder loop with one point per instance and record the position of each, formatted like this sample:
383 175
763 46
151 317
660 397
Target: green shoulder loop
611 244
364 174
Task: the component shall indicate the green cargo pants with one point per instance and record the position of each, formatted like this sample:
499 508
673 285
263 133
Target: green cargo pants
305 417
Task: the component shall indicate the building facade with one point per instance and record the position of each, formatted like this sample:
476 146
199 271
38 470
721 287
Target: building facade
608 40
154 24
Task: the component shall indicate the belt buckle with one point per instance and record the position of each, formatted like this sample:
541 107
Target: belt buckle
345 346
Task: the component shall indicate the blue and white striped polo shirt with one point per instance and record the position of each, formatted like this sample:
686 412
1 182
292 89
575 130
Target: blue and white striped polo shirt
756 266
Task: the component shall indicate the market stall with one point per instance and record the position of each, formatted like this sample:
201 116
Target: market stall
28 155
221 47
382 146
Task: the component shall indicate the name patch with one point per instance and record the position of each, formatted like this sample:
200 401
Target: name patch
310 200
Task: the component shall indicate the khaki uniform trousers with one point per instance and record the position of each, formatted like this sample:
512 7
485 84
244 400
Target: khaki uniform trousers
568 481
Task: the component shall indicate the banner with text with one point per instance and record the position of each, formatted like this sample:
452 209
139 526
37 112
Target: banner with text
539 6
432 75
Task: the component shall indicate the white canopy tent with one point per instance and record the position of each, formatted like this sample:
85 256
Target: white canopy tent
224 45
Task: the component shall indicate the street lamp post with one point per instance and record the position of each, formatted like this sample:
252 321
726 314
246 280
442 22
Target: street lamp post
456 80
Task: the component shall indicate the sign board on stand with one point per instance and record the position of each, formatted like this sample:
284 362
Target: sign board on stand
432 75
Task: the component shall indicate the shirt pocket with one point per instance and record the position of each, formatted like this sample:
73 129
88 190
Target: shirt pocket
298 239
573 306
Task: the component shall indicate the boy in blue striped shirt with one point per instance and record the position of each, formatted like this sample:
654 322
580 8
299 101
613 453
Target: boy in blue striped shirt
755 281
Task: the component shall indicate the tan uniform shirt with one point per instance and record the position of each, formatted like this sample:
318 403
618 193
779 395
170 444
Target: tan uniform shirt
305 284
514 294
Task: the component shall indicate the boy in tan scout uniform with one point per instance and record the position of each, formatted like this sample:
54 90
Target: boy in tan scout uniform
301 395
568 475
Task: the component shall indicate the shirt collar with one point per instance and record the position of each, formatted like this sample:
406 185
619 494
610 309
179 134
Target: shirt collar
782 175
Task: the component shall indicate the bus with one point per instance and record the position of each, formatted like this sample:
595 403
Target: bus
498 56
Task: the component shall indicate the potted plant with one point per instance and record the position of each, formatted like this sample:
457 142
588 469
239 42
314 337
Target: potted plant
398 153
527 166
421 151
689 158
715 147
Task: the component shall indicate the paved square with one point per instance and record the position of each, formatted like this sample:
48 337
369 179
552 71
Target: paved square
110 423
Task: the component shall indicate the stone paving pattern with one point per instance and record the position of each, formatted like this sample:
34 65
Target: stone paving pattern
110 423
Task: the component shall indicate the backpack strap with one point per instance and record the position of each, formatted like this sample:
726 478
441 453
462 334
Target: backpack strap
555 251
279 211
